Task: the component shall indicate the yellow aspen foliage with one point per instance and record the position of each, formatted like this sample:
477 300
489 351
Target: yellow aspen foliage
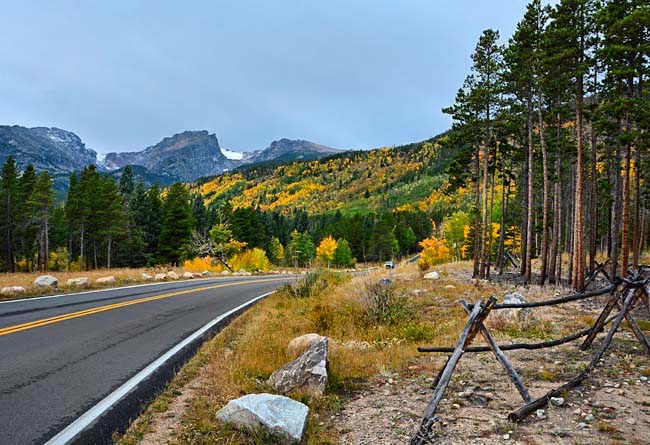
326 249
434 251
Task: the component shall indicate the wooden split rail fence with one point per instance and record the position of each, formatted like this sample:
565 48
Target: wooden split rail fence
624 293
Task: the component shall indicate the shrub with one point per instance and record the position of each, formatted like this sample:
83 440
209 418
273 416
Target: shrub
312 285
383 305
251 260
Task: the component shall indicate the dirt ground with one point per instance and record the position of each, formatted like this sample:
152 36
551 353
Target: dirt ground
611 407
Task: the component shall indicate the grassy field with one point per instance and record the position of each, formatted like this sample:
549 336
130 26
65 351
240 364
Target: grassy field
374 330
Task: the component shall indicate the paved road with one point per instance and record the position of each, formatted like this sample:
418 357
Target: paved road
59 356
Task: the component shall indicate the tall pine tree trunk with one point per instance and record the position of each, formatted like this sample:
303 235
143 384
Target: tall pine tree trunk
636 235
529 216
502 233
542 143
616 210
477 219
578 237
484 210
593 199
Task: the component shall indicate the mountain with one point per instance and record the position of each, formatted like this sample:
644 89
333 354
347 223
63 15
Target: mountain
286 150
188 155
185 156
409 177
52 149
194 154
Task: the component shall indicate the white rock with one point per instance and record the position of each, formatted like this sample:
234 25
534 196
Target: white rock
307 374
506 436
589 418
581 426
160 277
205 273
188 275
12 290
82 281
226 272
541 414
45 281
146 277
432 276
173 275
450 286
300 344
280 415
557 401
106 280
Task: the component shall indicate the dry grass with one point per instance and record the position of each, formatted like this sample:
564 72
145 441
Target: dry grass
123 277
243 355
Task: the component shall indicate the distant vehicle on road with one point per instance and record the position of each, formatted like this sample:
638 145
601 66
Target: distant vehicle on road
389 265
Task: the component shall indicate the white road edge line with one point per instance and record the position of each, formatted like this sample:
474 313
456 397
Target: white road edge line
130 287
69 432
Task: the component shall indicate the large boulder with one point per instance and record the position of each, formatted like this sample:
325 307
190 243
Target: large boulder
521 317
280 415
146 277
160 277
12 290
299 344
106 280
79 282
46 281
307 374
188 275
173 275
432 276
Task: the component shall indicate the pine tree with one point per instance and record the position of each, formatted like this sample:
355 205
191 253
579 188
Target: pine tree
176 228
9 194
41 202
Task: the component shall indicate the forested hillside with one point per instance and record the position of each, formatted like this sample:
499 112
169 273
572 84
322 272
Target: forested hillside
410 177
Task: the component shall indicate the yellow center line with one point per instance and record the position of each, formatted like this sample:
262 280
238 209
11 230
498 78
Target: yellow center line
59 318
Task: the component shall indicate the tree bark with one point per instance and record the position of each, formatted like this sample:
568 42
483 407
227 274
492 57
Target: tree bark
578 237
542 143
529 216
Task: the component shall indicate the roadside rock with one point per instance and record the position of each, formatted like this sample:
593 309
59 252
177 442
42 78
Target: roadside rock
82 281
12 290
106 280
205 273
432 276
146 277
306 374
557 401
226 272
299 344
523 317
45 281
160 277
173 275
188 275
280 415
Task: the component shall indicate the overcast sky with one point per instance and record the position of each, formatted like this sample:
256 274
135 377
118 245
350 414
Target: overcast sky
348 74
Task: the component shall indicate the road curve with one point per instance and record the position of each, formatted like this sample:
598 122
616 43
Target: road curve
60 356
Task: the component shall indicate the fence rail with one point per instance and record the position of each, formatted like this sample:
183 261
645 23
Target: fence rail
624 293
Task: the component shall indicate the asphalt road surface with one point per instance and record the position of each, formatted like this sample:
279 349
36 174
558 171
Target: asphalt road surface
60 356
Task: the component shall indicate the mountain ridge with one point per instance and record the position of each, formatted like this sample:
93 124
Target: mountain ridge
185 156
